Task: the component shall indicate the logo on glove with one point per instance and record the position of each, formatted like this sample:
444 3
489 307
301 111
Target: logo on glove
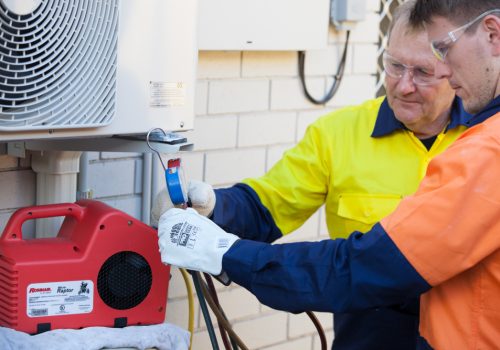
184 234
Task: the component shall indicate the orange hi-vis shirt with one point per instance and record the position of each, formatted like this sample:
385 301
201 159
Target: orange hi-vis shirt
450 232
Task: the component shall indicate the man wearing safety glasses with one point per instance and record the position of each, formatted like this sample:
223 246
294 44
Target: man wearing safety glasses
442 243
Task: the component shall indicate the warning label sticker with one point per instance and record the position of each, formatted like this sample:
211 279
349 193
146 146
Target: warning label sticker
167 94
60 298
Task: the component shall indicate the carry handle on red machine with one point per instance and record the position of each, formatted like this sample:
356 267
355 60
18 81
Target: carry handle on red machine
13 229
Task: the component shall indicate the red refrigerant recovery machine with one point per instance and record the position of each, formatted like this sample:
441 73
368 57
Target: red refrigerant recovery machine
102 269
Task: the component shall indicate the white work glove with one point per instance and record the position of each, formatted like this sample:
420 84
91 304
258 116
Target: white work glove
200 194
192 241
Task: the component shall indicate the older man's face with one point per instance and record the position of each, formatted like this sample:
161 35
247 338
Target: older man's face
415 105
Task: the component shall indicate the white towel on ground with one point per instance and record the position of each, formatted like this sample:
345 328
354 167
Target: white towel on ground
163 336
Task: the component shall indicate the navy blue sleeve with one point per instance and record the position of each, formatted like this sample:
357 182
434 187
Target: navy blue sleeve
342 275
239 210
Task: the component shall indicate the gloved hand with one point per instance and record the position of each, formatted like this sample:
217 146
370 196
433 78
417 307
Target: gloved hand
200 194
192 241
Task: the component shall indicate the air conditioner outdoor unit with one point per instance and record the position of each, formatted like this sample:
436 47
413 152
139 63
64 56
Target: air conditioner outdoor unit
90 68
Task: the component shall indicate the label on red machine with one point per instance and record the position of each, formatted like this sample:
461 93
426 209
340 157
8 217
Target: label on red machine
60 298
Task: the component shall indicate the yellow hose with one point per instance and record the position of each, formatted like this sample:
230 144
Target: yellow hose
189 288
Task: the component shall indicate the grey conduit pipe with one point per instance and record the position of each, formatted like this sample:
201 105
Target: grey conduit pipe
83 190
146 187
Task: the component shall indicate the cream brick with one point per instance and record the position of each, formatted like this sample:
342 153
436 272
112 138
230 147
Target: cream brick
287 94
201 98
275 153
335 36
372 5
178 312
353 90
297 344
306 118
366 31
300 324
323 237
323 62
349 64
326 320
257 333
317 341
238 303
266 310
219 64
176 287
18 189
307 232
231 96
323 229
267 128
220 288
201 340
269 63
337 41
365 59
193 164
8 162
225 167
215 132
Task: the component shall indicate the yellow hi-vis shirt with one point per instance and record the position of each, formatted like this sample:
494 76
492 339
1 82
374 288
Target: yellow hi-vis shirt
360 178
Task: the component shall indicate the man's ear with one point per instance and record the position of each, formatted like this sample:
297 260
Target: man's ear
492 27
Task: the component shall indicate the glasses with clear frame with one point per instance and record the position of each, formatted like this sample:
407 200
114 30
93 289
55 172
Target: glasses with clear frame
420 75
440 47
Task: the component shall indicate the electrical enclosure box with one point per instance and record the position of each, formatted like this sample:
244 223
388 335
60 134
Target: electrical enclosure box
96 68
263 24
344 13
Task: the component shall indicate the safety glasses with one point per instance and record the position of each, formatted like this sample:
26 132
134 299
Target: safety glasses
420 75
440 47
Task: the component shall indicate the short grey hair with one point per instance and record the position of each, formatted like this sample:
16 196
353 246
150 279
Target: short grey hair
402 16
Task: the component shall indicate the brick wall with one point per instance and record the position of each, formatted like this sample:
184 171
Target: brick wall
249 109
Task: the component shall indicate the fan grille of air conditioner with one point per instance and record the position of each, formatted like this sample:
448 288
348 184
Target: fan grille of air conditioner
58 65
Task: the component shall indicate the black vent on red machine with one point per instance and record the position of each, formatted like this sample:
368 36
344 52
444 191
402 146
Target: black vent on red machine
102 269
124 280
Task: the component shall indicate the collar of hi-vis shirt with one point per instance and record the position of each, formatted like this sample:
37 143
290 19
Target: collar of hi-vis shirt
387 123
490 110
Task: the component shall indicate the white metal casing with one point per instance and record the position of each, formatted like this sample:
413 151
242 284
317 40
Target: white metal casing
155 73
273 25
